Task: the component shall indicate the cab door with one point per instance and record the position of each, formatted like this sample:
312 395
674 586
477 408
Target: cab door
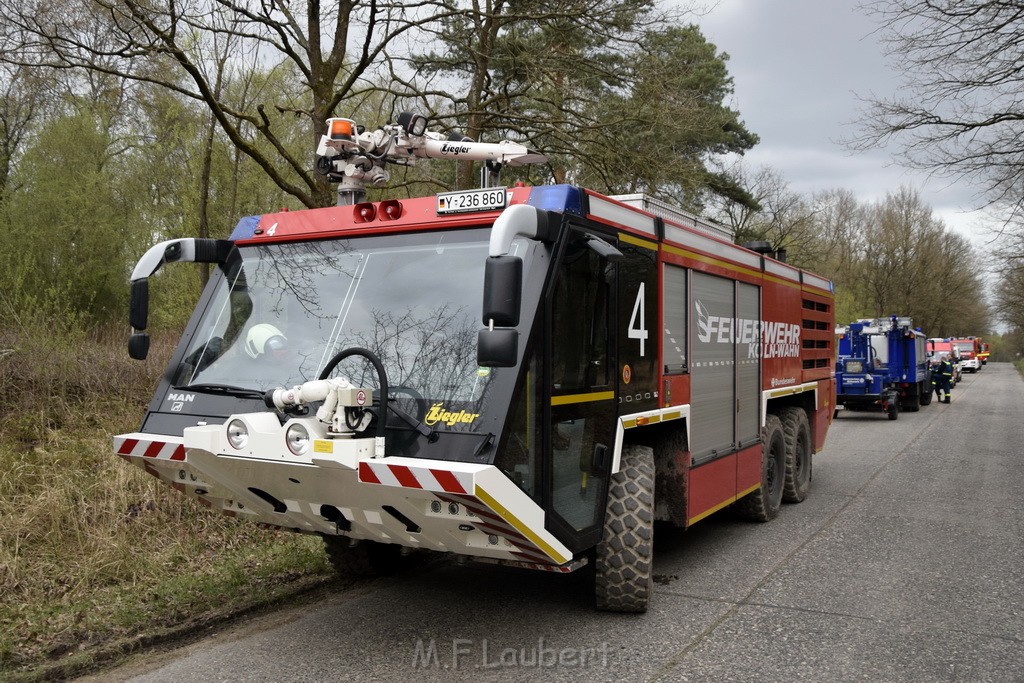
580 389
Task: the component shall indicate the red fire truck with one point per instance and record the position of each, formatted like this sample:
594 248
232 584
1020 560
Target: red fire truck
985 353
970 349
528 376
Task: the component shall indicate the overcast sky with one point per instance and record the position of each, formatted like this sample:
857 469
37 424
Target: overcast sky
798 67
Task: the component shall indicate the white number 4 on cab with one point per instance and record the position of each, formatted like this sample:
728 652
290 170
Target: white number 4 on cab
637 322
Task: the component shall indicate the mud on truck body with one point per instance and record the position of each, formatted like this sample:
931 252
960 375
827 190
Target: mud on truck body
527 376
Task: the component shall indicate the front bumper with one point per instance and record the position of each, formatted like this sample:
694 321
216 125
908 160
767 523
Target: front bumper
339 488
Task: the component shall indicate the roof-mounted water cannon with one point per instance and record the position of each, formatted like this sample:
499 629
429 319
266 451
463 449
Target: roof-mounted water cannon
355 158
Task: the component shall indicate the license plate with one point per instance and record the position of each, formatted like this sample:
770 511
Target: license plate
489 199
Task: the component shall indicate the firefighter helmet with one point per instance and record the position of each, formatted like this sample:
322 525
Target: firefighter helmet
264 339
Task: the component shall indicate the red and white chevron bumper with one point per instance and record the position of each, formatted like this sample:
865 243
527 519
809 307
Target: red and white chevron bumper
149 446
339 488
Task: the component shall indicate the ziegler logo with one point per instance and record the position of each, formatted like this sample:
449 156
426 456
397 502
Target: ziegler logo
764 338
437 413
448 148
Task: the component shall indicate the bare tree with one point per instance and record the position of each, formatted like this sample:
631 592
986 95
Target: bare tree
959 112
331 46
22 100
778 215
913 266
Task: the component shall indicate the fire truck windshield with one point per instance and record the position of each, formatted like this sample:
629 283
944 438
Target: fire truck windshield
284 310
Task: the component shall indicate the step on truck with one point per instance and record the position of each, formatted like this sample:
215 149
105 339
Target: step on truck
528 376
882 365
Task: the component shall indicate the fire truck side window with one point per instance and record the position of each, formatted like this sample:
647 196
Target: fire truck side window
580 322
519 453
674 340
580 308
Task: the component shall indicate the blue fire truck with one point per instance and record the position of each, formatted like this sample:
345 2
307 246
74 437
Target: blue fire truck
882 365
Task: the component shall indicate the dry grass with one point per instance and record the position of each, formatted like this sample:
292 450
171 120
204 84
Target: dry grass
92 550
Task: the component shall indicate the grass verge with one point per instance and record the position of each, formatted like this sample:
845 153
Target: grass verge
98 559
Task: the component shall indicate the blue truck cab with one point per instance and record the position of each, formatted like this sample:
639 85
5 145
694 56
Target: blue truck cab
882 365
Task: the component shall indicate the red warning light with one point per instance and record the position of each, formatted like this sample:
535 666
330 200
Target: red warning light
390 210
364 212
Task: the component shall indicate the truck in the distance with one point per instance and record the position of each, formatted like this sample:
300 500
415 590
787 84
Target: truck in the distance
882 365
970 349
528 376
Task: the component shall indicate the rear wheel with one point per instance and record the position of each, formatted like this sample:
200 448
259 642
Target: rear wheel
893 411
797 431
624 555
924 391
912 402
764 503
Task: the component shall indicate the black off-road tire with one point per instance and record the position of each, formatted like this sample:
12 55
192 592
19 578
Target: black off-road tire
925 396
623 569
797 431
365 559
912 403
763 504
894 410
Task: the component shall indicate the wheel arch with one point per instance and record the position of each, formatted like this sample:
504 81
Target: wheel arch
806 399
670 441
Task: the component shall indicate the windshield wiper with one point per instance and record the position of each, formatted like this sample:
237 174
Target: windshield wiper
423 429
224 389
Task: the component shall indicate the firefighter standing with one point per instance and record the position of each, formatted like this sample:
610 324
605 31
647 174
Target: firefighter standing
942 378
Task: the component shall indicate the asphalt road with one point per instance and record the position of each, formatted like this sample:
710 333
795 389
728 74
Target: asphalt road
905 563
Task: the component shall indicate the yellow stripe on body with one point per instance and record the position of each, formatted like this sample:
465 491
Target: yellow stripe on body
651 419
569 399
520 527
729 266
636 241
796 389
728 501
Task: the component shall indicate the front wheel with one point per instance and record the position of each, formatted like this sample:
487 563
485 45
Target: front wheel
763 504
893 411
624 575
364 559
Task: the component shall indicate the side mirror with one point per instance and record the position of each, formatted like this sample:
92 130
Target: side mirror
188 249
498 344
138 305
497 348
138 346
503 285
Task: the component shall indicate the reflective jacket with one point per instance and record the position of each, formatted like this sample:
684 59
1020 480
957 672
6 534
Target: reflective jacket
944 371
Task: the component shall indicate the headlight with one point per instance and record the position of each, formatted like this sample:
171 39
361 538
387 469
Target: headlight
297 438
238 434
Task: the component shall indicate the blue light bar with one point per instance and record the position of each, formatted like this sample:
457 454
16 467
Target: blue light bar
245 229
560 198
